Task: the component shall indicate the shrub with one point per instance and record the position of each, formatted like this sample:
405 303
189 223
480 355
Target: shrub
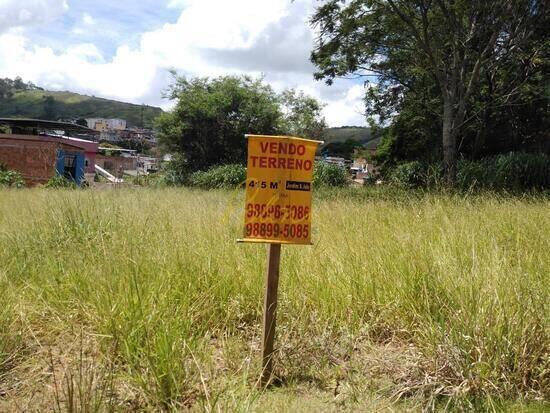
155 180
512 171
218 177
176 172
11 179
408 175
59 181
327 175
371 179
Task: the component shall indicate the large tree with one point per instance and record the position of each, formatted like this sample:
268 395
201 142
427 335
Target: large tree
428 51
211 117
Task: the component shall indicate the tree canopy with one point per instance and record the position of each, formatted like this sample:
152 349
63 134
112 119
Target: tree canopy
443 73
211 117
9 86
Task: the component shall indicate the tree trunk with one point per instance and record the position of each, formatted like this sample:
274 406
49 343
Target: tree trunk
449 142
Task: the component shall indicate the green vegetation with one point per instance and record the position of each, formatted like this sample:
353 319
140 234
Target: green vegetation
515 172
9 178
31 102
58 181
347 141
142 300
512 171
219 177
453 79
329 175
345 133
346 149
233 176
212 116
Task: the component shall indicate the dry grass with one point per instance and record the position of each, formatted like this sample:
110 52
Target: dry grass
141 300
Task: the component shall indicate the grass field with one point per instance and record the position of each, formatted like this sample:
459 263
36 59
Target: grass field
140 300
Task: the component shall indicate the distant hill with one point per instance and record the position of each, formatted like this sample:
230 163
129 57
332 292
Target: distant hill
344 133
43 104
345 140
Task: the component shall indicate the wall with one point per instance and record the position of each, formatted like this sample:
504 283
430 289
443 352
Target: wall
114 164
36 157
35 160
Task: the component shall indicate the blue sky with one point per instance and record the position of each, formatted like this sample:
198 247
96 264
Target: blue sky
124 49
117 22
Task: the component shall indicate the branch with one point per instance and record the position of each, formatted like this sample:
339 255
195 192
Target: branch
424 43
450 16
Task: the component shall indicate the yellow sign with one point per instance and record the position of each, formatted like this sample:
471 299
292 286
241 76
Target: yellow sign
278 189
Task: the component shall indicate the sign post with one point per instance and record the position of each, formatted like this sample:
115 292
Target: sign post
270 311
278 211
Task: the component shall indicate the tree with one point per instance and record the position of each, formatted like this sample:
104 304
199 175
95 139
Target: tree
18 84
302 115
50 110
211 117
428 51
6 88
344 149
81 122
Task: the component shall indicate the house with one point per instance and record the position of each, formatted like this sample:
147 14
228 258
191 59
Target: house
148 164
117 161
40 158
111 136
90 152
335 160
104 125
139 135
39 150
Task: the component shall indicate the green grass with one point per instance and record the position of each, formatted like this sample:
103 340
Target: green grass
30 104
141 300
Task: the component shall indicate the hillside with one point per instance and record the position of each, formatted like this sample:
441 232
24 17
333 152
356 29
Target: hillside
344 133
345 140
67 105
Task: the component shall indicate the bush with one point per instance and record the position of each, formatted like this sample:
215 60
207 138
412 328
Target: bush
329 175
152 180
234 175
218 177
408 175
176 172
59 181
512 171
11 179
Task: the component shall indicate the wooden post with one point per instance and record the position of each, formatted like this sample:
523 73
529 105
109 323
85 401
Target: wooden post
270 311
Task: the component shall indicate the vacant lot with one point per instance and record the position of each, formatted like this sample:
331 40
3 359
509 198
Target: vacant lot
141 300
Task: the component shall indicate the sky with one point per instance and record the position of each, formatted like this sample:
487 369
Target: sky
124 49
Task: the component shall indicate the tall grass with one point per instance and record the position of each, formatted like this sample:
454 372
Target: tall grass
445 298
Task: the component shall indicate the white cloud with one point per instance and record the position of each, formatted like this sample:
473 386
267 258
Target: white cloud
24 13
348 110
82 67
210 38
85 25
87 19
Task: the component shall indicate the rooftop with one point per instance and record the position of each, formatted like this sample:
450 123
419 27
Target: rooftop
41 124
